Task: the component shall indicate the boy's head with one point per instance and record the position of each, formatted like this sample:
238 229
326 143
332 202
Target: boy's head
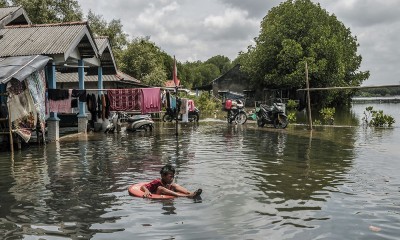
167 169
167 173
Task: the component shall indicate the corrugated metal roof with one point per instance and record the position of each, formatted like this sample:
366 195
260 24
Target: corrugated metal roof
73 77
13 16
45 39
102 43
4 12
106 54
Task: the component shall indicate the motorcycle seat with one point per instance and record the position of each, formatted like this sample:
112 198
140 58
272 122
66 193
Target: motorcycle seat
137 118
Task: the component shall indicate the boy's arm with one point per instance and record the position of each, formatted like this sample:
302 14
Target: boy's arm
146 191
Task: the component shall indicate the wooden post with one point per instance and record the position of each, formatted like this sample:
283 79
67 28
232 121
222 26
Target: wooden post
10 129
308 100
177 111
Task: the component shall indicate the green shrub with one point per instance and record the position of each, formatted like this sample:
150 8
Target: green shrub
291 117
291 104
377 118
317 122
327 115
207 103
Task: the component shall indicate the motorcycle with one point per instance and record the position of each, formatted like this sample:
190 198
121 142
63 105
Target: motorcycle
140 123
274 114
135 123
236 113
170 115
114 124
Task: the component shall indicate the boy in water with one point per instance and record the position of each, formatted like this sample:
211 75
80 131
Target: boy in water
165 185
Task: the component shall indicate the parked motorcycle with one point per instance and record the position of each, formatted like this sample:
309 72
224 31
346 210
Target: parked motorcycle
236 113
114 124
135 122
140 123
274 114
170 115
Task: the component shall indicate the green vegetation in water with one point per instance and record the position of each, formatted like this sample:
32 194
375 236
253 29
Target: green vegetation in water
291 117
376 118
207 103
291 104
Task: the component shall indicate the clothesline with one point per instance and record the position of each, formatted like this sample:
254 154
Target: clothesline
105 89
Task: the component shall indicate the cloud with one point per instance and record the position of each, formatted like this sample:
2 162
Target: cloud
232 24
198 30
367 13
256 9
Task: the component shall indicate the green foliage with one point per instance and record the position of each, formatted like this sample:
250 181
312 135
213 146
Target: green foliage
317 122
206 103
377 118
300 31
291 117
291 104
3 3
204 74
155 77
113 30
379 92
328 115
51 11
144 60
223 63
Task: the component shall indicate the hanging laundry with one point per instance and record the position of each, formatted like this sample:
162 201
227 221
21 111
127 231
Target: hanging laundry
99 106
23 114
151 100
108 105
183 106
58 94
62 105
79 93
191 105
127 100
37 87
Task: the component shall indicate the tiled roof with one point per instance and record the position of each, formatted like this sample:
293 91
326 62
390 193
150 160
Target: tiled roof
170 83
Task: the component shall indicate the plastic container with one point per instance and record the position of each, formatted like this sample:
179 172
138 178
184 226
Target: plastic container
228 104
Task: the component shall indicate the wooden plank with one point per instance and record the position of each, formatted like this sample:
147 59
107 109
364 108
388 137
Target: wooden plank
353 87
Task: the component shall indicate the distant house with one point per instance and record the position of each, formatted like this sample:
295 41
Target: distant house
234 84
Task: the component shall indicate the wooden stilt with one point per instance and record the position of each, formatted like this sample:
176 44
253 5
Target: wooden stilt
10 129
308 100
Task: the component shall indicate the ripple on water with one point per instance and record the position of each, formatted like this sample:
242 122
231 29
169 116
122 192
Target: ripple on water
256 182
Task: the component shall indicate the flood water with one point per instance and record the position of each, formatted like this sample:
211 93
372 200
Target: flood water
331 183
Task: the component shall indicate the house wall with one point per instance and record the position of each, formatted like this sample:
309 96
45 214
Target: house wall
233 81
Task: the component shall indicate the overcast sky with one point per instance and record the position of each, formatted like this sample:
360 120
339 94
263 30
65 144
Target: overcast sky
199 29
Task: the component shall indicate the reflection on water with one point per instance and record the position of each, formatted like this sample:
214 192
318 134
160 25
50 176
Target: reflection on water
332 183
